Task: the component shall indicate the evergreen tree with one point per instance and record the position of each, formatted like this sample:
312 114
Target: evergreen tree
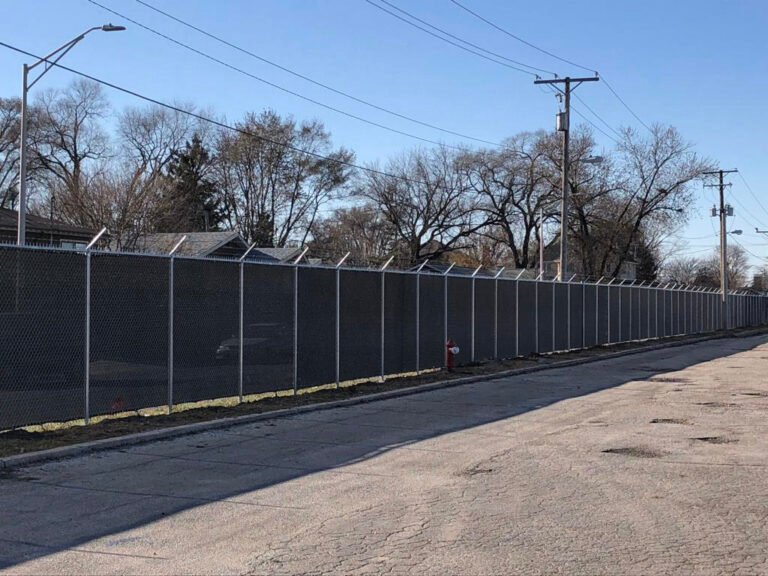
190 202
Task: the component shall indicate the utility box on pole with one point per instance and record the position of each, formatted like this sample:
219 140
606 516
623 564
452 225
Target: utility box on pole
561 121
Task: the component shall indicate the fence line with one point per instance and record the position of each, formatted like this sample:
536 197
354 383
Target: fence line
89 333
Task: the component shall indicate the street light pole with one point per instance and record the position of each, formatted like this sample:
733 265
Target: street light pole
25 87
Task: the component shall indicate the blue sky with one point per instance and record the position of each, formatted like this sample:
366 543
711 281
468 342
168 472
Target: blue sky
699 65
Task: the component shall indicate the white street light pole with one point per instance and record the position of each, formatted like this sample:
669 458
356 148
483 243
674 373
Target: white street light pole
25 87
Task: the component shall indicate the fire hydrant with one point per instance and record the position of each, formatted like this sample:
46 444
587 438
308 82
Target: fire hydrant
450 353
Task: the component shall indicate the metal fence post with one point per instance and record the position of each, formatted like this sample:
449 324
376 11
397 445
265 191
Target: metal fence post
418 317
241 335
568 312
87 351
621 298
473 311
170 333
170 320
648 312
554 313
631 320
536 307
383 310
608 310
584 313
445 307
296 321
338 318
517 315
295 328
87 408
597 312
496 313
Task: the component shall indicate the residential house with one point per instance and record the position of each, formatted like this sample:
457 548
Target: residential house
42 231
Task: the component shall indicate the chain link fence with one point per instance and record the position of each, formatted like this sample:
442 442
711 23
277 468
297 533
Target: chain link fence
95 333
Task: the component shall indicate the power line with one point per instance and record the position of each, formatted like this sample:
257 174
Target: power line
555 56
508 33
272 84
620 99
596 115
467 42
457 45
211 120
311 80
735 198
749 188
747 250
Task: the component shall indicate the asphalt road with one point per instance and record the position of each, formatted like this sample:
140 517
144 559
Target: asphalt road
650 464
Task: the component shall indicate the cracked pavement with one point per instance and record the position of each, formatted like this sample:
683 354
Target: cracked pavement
653 463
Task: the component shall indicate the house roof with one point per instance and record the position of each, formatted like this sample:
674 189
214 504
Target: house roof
40 225
274 254
196 244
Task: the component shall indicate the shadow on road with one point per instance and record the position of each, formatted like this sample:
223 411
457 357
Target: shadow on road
67 504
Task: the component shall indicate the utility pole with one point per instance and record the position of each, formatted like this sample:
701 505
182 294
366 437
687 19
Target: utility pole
563 125
724 212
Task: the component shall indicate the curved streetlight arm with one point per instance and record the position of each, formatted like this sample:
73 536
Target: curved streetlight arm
62 50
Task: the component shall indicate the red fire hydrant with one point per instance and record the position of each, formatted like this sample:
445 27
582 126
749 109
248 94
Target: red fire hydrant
450 353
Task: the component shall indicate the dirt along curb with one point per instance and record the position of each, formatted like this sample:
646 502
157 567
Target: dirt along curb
25 459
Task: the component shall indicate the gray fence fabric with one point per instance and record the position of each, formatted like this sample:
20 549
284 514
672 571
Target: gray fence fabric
268 336
87 334
42 353
129 333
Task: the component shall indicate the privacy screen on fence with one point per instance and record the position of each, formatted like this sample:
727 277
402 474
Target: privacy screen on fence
86 334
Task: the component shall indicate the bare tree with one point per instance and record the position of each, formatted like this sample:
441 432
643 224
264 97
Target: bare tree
683 270
657 172
425 196
360 230
70 146
514 185
10 112
276 175
706 271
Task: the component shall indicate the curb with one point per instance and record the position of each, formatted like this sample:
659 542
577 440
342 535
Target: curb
20 460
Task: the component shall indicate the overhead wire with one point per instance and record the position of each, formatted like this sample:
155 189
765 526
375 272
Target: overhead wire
555 56
596 115
734 198
272 84
747 250
462 40
481 55
309 79
212 121
749 188
519 39
620 99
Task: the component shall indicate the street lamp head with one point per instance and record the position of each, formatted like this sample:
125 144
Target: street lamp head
112 28
736 232
593 160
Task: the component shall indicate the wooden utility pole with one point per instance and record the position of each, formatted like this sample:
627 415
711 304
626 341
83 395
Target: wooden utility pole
724 212
563 125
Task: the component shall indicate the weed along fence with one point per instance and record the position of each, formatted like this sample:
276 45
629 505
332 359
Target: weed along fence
93 333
